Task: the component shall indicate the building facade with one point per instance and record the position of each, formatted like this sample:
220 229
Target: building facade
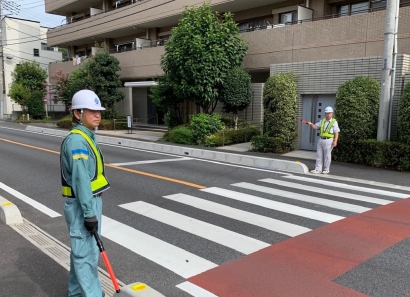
22 40
326 36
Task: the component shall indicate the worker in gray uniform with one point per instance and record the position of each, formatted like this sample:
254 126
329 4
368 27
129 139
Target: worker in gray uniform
329 134
83 182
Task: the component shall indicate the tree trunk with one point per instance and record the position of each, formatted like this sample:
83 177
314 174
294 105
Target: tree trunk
235 118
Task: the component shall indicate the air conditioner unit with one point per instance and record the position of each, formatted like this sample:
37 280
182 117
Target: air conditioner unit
142 43
94 51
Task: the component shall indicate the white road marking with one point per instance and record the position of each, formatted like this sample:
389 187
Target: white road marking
347 186
233 240
30 201
240 215
279 206
151 161
195 290
322 190
164 254
315 200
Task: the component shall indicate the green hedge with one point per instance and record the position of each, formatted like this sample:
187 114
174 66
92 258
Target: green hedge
404 115
279 145
384 154
357 107
279 118
231 136
67 123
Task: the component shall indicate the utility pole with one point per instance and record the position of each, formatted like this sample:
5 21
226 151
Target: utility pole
383 124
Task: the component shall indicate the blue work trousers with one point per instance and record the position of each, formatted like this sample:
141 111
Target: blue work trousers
83 277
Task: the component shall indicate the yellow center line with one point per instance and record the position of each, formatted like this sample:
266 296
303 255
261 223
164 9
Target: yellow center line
116 167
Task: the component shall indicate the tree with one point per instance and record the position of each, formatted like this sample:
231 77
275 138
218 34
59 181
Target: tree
103 75
236 92
20 95
28 83
164 97
203 49
99 73
60 87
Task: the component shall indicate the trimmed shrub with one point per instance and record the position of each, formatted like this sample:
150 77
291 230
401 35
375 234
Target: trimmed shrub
66 122
231 136
404 116
278 145
357 106
203 125
181 134
279 123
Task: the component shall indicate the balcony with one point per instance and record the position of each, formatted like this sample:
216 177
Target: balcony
344 37
135 64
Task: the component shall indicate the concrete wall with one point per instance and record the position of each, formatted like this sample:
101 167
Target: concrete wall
324 77
125 105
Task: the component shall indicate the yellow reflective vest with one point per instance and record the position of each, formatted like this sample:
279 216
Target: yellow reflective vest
326 133
99 182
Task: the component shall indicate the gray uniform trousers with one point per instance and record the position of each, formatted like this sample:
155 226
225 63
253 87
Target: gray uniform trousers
324 154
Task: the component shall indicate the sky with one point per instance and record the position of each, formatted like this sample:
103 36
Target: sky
33 10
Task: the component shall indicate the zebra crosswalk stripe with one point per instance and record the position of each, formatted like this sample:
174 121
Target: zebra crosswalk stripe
237 214
347 186
167 255
311 189
233 240
306 198
279 206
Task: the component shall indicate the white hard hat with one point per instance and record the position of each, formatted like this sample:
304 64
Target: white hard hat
328 109
86 99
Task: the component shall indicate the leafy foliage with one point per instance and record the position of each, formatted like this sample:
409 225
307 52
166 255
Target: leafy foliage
164 97
279 122
203 125
204 47
28 82
231 136
236 92
404 115
181 134
35 105
357 106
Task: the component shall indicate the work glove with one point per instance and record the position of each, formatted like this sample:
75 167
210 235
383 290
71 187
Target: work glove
91 224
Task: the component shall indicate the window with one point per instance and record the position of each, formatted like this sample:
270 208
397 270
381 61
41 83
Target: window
378 4
36 52
289 17
355 8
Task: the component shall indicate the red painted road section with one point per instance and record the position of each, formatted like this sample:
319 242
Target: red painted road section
306 265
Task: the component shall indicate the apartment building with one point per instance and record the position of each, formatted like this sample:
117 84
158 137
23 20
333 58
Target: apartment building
23 40
324 42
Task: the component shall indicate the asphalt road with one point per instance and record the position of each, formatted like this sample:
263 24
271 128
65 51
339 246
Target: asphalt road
170 218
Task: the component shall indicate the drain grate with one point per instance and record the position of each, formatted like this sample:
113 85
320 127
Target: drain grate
58 251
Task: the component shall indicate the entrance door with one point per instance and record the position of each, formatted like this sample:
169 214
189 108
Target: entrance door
313 111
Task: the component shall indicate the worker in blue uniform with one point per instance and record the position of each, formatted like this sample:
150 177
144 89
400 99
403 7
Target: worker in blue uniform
83 182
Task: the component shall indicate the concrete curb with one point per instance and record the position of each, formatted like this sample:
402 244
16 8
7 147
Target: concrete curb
254 161
9 213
